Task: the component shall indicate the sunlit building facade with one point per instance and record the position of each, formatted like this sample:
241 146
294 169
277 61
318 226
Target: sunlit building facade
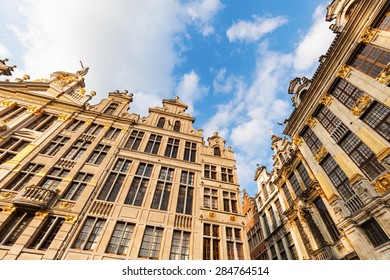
94 182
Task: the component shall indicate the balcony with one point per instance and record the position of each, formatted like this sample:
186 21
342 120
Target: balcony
354 204
34 197
324 253
183 221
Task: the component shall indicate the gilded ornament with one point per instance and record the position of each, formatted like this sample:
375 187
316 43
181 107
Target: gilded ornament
320 153
70 219
3 125
63 80
65 204
368 35
232 218
384 76
63 117
360 105
310 122
297 141
8 209
124 129
35 110
40 214
382 184
7 195
7 103
343 72
211 214
326 99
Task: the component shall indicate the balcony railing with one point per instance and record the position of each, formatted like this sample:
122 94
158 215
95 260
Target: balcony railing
35 197
354 204
324 253
183 221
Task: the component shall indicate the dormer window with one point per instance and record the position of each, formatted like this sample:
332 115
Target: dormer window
217 151
111 108
161 123
177 125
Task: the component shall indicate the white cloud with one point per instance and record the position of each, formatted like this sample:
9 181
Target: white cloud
253 31
315 43
190 90
201 12
4 52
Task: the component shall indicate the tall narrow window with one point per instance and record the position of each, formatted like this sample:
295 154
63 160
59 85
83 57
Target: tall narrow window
304 175
11 147
119 242
327 219
172 148
75 125
77 187
139 185
227 175
89 234
94 129
12 113
217 151
378 117
151 243
14 227
153 144
266 224
230 202
282 250
54 177
115 180
47 233
279 210
111 108
291 247
210 171
234 244
311 139
295 184
24 176
77 150
273 217
186 191
384 23
163 189
98 154
190 152
287 194
135 140
55 145
180 249
112 133
161 123
211 242
374 232
42 123
371 60
176 126
210 198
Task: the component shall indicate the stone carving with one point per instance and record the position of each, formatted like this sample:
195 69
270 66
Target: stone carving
368 35
384 76
360 105
382 184
320 153
343 72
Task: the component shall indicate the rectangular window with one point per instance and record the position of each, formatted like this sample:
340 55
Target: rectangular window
377 116
311 139
47 233
14 227
77 150
279 210
112 133
266 224
11 147
287 194
210 198
327 219
227 175
374 232
234 244
304 175
77 187
186 191
89 234
151 243
135 140
12 113
172 148
24 176
274 255
210 171
384 23
94 129
291 247
75 125
119 242
153 144
282 251
346 93
98 154
273 217
180 249
230 202
139 185
163 189
371 60
295 184
55 145
211 242
190 152
115 180
331 123
362 155
54 177
42 123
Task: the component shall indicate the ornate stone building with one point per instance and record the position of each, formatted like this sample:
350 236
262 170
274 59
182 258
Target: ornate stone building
334 182
81 181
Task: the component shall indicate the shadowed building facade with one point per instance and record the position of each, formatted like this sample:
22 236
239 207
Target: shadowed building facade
333 179
81 181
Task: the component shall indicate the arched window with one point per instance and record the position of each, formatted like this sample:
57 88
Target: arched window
217 151
177 125
161 123
111 108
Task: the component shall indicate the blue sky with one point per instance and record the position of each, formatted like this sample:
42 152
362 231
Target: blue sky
231 61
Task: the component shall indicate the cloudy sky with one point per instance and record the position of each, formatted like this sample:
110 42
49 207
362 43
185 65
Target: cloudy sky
230 61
